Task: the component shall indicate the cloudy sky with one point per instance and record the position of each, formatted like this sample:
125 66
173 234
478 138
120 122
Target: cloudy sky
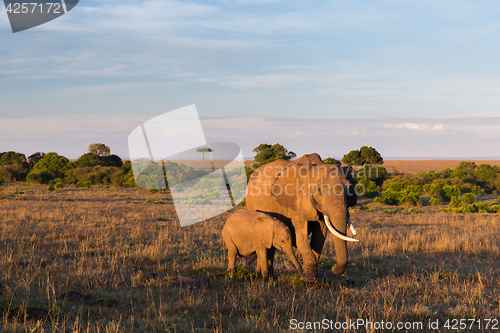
410 78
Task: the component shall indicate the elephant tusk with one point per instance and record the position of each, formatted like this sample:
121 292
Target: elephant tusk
353 230
336 233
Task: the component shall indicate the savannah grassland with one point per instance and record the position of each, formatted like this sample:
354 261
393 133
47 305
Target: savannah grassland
124 253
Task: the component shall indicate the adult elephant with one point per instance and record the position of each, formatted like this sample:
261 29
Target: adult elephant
307 194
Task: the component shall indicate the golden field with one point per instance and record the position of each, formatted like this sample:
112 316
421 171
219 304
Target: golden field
414 166
122 256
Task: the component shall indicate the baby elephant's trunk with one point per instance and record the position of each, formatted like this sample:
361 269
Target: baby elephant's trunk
288 250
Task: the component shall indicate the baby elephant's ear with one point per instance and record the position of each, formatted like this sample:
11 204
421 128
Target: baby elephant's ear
268 232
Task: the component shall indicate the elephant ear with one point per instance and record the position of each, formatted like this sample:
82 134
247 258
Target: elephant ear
315 195
267 230
290 188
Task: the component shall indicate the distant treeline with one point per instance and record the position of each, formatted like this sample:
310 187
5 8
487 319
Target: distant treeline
458 187
43 168
89 169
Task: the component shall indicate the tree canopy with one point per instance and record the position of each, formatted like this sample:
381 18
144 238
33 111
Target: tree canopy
11 157
13 166
330 160
267 153
204 150
365 155
91 159
99 148
53 162
34 158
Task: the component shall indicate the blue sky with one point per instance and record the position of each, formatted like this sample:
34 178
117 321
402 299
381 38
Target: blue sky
410 78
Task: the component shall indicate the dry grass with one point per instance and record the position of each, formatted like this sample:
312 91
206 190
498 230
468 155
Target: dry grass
108 243
414 166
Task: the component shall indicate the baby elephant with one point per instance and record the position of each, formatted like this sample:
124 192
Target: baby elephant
246 233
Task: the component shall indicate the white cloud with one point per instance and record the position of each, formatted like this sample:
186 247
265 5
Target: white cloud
417 127
70 135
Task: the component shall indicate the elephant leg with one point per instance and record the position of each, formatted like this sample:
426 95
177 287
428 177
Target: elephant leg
232 253
251 259
262 260
310 266
318 238
270 260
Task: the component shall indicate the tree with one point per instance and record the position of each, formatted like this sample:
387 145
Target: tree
13 166
11 157
203 151
54 163
365 155
91 159
112 160
34 158
267 153
88 160
51 166
330 160
99 148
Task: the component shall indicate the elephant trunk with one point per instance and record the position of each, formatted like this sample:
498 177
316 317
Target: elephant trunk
341 251
340 242
289 252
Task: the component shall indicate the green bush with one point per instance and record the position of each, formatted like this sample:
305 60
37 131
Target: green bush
151 176
212 194
54 163
11 157
50 188
413 210
112 160
390 211
197 201
14 172
448 191
485 172
2 181
467 204
374 173
330 160
178 173
91 159
473 208
265 153
157 202
456 202
434 202
83 184
40 176
469 198
365 155
99 175
399 194
477 190
13 166
87 160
